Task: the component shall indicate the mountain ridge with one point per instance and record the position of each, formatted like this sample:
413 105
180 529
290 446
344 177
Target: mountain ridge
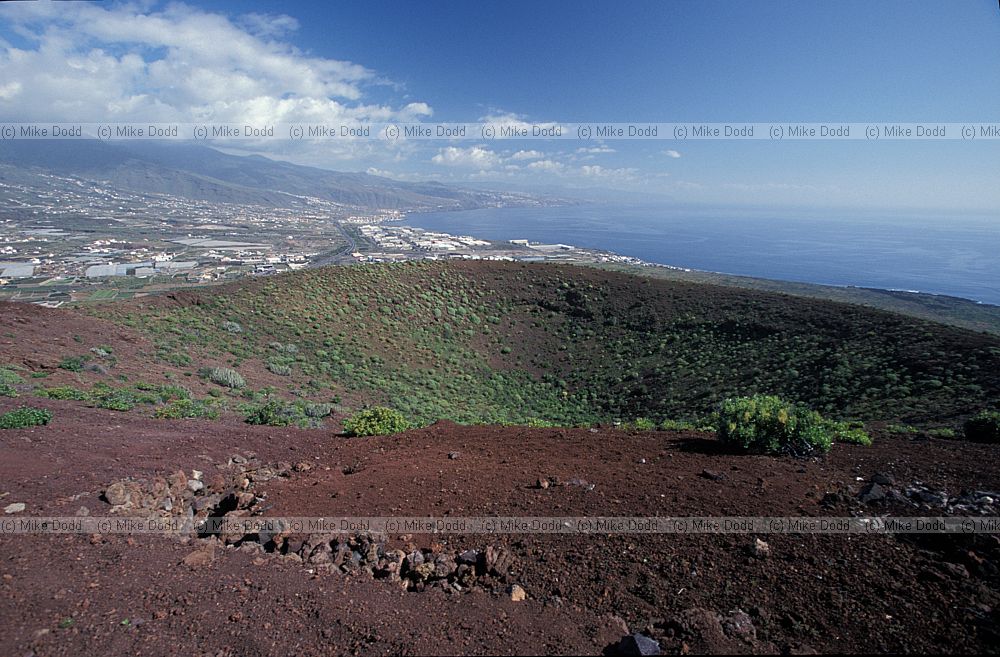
203 173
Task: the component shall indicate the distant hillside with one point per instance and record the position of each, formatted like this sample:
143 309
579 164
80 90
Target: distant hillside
504 342
953 311
202 173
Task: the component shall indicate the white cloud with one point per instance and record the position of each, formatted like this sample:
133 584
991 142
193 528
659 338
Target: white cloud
547 165
527 155
94 63
474 156
620 175
672 154
595 150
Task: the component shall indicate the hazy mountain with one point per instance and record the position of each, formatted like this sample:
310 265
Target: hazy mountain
203 173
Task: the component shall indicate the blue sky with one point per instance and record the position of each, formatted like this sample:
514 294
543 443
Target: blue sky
698 60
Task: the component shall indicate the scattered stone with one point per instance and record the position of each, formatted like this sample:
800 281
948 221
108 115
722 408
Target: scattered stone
542 483
955 570
197 474
302 466
739 624
517 594
927 496
760 549
82 512
469 557
16 507
883 479
201 557
871 493
194 485
454 455
638 644
496 561
714 476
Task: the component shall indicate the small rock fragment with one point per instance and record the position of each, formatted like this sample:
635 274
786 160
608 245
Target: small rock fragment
873 492
517 594
638 644
760 549
16 507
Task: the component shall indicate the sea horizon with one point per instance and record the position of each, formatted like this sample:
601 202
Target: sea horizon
888 251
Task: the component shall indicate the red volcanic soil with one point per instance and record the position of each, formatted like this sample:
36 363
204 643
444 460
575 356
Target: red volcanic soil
116 595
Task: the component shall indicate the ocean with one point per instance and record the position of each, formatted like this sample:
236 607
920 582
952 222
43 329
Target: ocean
955 256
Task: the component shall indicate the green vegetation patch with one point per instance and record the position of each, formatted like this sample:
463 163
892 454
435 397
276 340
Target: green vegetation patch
984 427
74 363
63 392
188 409
25 416
377 421
224 376
280 413
765 424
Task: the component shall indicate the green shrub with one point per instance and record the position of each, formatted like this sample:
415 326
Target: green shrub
317 410
902 429
187 408
73 363
942 432
25 416
7 390
63 392
984 428
377 421
279 413
9 377
116 399
765 424
674 425
224 376
854 436
279 368
232 327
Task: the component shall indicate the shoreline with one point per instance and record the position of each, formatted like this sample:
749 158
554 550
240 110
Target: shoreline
647 263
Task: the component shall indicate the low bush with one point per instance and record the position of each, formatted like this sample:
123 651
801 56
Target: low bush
114 399
9 377
187 408
7 390
274 413
73 363
224 376
279 368
280 413
377 421
942 432
25 416
639 424
675 425
765 424
984 428
853 436
63 392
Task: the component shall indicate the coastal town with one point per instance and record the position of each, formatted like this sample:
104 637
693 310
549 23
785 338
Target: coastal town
77 241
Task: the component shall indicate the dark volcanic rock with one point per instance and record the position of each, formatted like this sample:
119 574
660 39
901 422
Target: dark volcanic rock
638 644
872 493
